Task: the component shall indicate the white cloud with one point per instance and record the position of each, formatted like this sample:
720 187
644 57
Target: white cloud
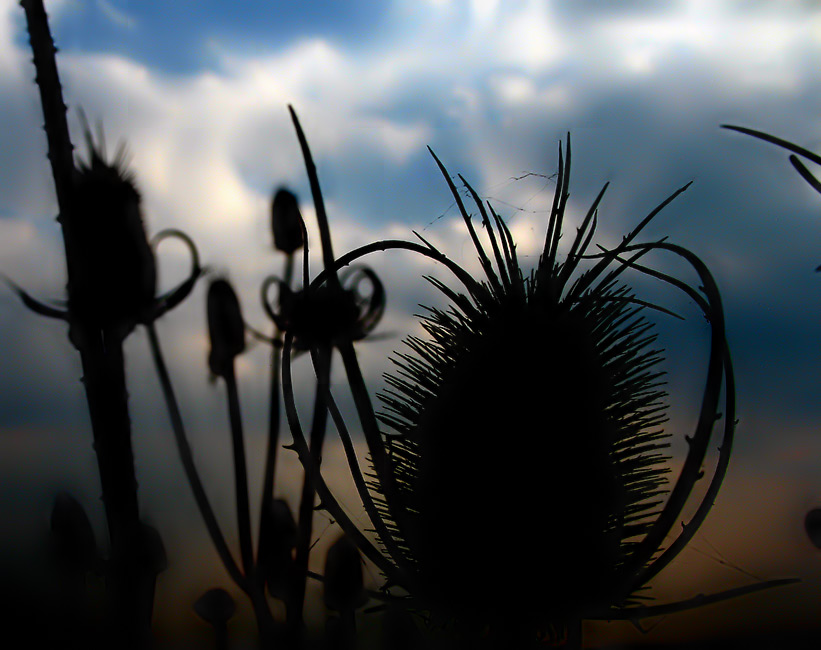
207 148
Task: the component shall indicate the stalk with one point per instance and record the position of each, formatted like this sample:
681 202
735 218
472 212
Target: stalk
273 423
306 504
103 369
240 475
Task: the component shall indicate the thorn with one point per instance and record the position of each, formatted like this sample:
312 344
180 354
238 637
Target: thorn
700 475
689 439
291 447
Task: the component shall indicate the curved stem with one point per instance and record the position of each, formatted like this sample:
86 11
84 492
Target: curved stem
690 472
473 287
300 445
707 502
187 458
359 481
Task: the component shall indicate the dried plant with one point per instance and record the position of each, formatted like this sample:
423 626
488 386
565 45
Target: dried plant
521 484
111 289
517 480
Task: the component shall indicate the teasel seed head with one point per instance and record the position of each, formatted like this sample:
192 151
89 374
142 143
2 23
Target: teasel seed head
113 269
226 328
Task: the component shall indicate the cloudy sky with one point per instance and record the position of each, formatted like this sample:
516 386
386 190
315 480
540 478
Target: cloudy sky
198 91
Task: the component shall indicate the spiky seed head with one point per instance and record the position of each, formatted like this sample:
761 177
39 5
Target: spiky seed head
524 446
113 278
286 222
226 328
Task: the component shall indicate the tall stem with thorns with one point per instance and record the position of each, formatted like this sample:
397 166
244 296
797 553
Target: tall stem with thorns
101 354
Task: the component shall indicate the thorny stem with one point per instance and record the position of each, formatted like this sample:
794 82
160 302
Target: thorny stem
60 149
308 461
699 442
359 481
102 362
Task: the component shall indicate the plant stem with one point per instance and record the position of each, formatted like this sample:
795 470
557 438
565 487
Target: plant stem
306 505
103 366
104 380
240 475
190 468
273 421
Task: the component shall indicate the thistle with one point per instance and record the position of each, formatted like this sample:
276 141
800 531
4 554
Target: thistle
525 440
520 483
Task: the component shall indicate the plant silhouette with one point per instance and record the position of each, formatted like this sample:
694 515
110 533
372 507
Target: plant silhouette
517 479
521 485
111 289
322 319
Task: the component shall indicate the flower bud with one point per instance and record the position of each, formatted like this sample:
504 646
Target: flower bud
72 535
286 222
215 606
278 530
343 576
225 327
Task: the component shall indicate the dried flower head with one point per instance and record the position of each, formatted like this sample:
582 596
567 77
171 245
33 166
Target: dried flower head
328 314
525 484
114 273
